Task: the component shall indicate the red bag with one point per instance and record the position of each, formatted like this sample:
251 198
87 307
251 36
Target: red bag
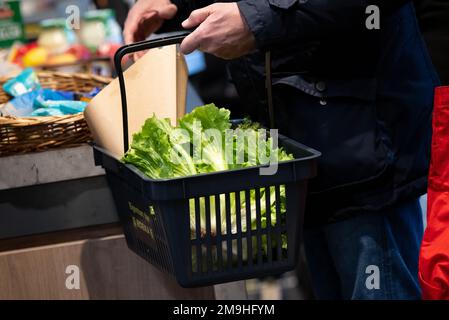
434 256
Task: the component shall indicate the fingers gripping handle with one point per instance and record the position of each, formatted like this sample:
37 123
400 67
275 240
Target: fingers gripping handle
160 42
131 48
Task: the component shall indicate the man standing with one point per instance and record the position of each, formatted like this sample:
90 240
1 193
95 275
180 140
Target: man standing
352 79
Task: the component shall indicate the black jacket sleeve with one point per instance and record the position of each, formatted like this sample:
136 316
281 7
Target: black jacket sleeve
283 21
278 22
185 7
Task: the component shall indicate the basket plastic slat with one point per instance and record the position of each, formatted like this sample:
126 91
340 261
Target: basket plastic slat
278 222
219 237
259 227
150 251
239 228
208 236
248 227
166 249
160 254
198 234
162 248
268 214
291 196
228 230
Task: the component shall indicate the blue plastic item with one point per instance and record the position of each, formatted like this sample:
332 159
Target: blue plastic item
25 82
20 106
44 112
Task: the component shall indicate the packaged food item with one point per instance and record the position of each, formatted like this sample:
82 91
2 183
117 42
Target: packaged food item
86 97
66 58
69 107
35 57
100 27
93 31
46 112
45 95
20 106
53 36
44 102
11 23
25 82
64 101
65 106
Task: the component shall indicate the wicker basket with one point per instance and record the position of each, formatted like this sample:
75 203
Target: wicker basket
22 135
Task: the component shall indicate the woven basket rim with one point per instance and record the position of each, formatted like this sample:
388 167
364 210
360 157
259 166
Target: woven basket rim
9 120
48 119
84 76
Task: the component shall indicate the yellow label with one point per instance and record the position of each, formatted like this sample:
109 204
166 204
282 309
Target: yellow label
138 224
139 212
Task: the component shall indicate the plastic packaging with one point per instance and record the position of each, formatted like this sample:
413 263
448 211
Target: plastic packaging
45 112
100 27
54 36
20 106
25 82
45 102
61 101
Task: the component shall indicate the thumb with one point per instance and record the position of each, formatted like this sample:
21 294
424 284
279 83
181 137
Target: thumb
196 17
168 11
191 42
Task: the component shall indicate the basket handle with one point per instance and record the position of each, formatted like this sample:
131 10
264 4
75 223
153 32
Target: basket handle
131 48
165 41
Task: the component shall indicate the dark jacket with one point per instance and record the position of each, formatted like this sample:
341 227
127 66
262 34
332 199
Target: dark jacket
433 17
361 97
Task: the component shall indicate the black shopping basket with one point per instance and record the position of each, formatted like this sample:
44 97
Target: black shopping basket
211 228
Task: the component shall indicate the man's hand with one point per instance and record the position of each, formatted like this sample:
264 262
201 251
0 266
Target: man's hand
146 17
221 31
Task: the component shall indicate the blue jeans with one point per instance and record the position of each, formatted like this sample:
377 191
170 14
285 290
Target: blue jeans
371 256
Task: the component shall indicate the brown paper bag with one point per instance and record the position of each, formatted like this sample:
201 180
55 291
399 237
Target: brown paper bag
155 84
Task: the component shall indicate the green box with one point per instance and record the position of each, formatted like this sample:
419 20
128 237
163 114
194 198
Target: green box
11 23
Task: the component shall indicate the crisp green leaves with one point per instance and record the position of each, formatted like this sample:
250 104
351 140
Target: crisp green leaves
209 117
153 152
162 152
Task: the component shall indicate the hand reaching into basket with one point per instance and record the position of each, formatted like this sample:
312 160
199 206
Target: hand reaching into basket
220 28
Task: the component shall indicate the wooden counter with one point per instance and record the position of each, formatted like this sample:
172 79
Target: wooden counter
56 212
107 270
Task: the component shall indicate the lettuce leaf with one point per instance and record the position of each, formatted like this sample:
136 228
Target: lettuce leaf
162 152
153 152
